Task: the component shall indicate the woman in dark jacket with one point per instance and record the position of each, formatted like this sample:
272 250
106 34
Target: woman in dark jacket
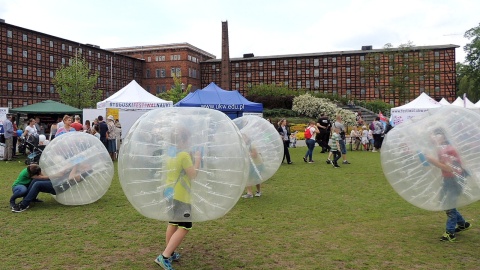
284 132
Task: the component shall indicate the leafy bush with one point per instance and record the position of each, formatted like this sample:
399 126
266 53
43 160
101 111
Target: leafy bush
313 107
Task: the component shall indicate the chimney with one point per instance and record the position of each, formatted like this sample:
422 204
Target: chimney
367 48
225 82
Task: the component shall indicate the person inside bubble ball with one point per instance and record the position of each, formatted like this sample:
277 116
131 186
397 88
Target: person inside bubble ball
453 175
181 170
24 179
256 167
44 184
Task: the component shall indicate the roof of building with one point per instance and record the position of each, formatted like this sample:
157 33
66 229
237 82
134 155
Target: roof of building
147 48
336 53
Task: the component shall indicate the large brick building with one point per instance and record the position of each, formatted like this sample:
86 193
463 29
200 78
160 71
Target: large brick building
29 60
162 61
362 75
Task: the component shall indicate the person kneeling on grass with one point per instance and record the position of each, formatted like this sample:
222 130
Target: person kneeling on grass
24 179
45 185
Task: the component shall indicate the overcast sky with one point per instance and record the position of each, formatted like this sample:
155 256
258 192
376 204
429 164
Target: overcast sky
268 27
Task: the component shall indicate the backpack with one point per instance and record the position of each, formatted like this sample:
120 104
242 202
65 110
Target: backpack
308 134
372 126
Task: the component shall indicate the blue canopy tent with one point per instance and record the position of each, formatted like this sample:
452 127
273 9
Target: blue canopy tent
232 103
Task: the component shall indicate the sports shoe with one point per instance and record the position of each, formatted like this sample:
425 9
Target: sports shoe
346 162
305 159
18 208
336 166
465 227
450 237
247 196
175 257
258 194
329 161
164 263
311 161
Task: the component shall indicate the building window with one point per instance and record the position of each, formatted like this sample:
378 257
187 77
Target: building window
25 87
316 72
334 70
390 67
349 92
362 91
147 73
163 73
348 69
348 80
299 61
39 56
325 60
9 33
237 85
307 84
316 84
9 69
39 88
52 89
237 75
149 59
9 51
157 73
334 81
362 80
421 78
249 74
377 80
260 64
249 64
25 37
260 73
213 67
362 69
325 70
273 63
10 86
325 81
39 72
437 53
25 71
316 62
51 44
307 61
437 65
25 54
307 71
178 72
236 65
299 84
51 58
51 74
285 73
437 89
437 77
63 47
70 49
63 63
347 58
285 62
334 59
362 58
299 72
273 73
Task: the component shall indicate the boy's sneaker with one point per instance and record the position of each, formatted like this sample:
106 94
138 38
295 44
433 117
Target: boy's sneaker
336 165
175 257
450 237
258 194
329 161
346 162
465 227
247 196
18 208
164 263
305 159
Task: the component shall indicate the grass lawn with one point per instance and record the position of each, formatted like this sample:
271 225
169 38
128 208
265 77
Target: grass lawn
311 216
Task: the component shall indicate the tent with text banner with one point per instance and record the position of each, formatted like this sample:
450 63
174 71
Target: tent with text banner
133 97
232 103
415 107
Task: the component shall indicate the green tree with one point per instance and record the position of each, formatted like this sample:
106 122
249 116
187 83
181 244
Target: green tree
177 92
75 84
397 72
469 74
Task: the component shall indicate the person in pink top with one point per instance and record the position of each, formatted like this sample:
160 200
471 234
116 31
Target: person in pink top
67 122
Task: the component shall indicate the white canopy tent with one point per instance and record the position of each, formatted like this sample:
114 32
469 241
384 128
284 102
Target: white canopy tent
415 107
443 101
466 103
477 104
133 97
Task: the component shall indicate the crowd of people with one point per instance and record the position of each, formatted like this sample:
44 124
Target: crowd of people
109 132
